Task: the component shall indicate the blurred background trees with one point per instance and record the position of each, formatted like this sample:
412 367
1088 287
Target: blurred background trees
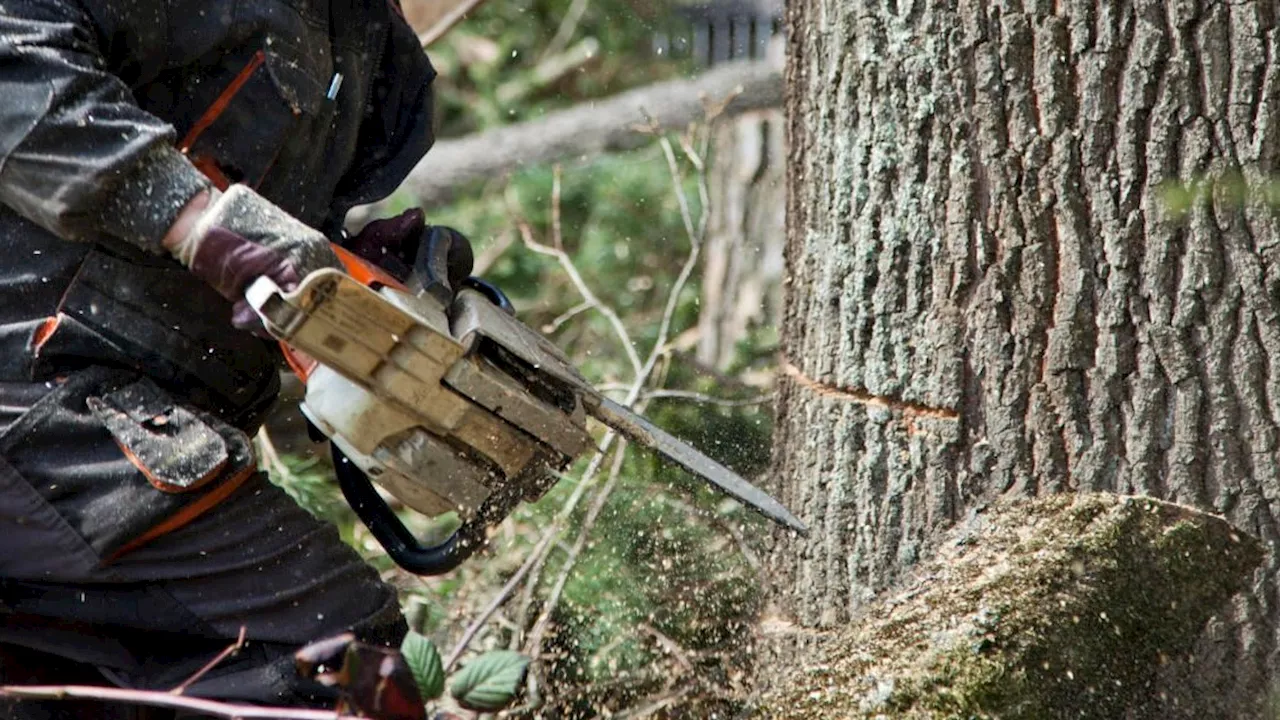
632 587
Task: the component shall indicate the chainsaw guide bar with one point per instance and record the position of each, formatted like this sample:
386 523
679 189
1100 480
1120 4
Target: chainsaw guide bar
454 408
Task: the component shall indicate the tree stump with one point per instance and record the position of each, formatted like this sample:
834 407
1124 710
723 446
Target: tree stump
1066 607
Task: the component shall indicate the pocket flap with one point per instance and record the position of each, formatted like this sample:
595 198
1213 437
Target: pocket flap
298 85
172 446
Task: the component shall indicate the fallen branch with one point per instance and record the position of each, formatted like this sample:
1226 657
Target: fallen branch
227 652
433 20
157 698
610 125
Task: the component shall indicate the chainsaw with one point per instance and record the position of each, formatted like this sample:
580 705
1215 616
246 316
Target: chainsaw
444 399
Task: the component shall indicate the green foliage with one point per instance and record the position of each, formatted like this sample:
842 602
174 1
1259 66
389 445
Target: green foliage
490 682
487 58
1230 189
424 660
666 588
309 481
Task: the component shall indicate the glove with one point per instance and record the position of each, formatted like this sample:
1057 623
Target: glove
240 237
391 243
424 257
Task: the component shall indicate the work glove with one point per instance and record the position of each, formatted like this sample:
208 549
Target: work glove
240 237
421 256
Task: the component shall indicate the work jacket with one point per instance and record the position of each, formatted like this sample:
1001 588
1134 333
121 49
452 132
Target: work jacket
114 112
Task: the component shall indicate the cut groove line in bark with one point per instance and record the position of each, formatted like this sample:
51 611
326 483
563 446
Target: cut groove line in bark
862 397
979 218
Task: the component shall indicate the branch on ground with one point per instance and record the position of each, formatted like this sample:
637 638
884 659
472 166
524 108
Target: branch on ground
624 122
155 698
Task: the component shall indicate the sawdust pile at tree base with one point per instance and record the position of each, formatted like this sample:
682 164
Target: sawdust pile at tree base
1061 607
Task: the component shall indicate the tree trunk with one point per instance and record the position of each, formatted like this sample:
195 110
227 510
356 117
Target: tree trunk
989 293
742 266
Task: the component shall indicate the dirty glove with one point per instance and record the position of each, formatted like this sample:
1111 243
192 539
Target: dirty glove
415 253
240 237
391 243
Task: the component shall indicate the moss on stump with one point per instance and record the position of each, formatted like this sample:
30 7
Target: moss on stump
1062 607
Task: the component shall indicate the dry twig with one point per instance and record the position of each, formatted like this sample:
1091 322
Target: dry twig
534 644
566 263
567 28
493 606
446 20
654 706
227 652
159 698
570 314
673 648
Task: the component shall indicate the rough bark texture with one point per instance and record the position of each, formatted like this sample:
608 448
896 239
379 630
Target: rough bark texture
988 295
1033 609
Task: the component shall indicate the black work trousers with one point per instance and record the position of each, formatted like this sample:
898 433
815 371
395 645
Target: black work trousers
137 539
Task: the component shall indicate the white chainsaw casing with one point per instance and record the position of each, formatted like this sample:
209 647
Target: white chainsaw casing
390 446
458 408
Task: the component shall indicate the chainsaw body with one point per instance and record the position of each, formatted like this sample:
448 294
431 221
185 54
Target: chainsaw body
450 406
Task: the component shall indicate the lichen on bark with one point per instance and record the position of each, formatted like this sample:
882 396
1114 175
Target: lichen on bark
989 295
1051 608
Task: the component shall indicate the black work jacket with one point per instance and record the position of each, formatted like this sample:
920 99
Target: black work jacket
106 109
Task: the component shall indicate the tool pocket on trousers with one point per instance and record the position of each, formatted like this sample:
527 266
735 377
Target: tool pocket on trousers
175 450
122 461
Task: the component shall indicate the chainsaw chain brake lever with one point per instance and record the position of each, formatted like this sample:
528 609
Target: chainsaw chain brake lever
443 261
399 542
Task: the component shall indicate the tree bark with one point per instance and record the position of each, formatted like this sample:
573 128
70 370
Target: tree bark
988 294
1030 609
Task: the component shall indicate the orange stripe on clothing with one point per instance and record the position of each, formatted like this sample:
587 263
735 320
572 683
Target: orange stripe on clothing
219 105
163 486
186 514
45 331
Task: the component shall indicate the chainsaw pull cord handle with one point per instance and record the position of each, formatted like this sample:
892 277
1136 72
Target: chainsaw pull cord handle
400 544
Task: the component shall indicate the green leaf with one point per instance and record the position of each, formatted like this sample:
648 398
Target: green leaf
424 662
490 682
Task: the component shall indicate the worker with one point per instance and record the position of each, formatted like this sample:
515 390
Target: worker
156 156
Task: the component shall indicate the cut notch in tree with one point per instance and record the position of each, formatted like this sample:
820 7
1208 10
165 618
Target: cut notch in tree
1062 607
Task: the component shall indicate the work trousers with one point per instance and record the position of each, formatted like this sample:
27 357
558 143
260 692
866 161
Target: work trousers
137 539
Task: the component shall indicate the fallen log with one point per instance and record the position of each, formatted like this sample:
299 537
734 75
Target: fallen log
591 128
1055 608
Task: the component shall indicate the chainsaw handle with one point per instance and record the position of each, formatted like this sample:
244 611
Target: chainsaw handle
491 291
395 538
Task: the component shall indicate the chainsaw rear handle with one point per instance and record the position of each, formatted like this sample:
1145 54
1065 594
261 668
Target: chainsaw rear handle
400 544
